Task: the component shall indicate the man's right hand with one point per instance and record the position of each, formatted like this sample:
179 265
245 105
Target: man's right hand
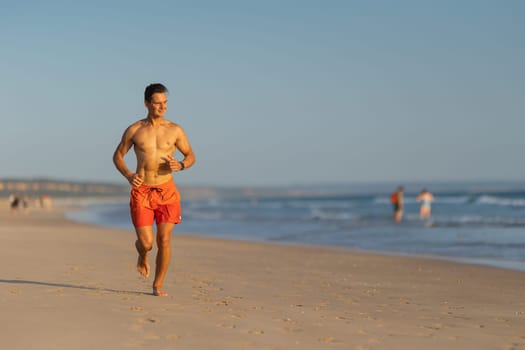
135 180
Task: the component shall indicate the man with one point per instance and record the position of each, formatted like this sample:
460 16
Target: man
397 202
154 196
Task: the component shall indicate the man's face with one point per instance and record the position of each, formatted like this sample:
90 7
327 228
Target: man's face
158 105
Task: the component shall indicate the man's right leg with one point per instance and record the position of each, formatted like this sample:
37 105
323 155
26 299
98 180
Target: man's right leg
144 243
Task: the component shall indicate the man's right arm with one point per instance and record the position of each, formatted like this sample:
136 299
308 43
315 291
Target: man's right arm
118 157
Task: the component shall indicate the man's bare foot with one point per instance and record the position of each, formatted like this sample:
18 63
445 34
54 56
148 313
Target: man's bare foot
142 262
159 293
143 265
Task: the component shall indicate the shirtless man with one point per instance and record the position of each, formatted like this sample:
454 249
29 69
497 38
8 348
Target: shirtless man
153 194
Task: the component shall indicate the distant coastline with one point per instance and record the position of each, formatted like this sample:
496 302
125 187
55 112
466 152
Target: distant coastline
67 188
35 187
64 188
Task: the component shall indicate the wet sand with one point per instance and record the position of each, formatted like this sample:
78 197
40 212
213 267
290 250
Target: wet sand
71 286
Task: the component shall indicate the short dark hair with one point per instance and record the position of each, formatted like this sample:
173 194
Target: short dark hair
154 89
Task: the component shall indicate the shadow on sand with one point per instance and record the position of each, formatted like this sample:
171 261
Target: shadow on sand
64 285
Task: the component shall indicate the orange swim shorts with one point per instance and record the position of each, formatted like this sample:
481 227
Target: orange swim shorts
156 203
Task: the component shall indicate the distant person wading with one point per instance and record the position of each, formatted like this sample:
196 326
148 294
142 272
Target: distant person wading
425 198
396 198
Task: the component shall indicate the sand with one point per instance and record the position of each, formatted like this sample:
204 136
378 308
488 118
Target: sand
71 286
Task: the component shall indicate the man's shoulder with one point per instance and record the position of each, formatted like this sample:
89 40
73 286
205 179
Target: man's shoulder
139 123
172 125
133 128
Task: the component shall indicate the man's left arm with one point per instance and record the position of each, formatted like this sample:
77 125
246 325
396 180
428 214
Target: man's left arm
183 145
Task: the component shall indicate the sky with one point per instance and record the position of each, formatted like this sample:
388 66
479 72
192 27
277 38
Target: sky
269 92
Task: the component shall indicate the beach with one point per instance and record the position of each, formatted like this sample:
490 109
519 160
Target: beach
67 285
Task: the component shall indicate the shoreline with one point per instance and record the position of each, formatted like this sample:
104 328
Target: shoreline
513 265
69 285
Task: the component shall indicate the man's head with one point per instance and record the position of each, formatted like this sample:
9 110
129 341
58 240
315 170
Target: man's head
154 89
155 100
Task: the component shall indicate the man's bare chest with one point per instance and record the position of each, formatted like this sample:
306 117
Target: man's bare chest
151 139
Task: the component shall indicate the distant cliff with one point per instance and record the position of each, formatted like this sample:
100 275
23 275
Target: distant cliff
35 187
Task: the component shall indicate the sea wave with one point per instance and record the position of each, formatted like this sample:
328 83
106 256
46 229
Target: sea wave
477 221
502 201
320 214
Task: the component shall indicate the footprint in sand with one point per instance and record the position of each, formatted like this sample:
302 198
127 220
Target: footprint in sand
329 340
151 337
227 326
374 341
287 320
136 308
247 344
136 344
291 330
320 307
173 337
136 327
361 347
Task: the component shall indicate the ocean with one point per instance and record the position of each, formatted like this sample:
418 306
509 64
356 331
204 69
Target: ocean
480 226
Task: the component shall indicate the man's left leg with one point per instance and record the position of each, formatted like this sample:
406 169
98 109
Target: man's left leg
164 231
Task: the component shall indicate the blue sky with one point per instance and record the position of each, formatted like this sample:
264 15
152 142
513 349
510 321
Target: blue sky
269 92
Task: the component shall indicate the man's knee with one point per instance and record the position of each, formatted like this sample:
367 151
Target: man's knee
146 244
163 240
145 237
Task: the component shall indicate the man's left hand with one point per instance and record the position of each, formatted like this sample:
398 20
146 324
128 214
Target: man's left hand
173 163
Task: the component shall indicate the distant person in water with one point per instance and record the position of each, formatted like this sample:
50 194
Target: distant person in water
396 198
425 198
154 196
